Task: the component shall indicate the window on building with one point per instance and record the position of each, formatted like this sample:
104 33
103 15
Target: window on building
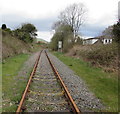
105 41
109 41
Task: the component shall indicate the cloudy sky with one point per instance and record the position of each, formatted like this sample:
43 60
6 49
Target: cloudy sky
43 13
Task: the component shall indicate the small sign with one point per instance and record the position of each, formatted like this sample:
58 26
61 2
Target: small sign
59 44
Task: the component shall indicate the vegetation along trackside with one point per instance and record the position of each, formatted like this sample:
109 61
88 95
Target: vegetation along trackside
104 85
86 43
12 86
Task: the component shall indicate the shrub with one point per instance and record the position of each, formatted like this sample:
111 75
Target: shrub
100 55
3 26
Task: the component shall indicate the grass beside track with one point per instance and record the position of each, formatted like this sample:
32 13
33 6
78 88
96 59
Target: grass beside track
12 87
0 87
103 85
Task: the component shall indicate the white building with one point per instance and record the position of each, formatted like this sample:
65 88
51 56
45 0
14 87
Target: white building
89 41
106 41
101 40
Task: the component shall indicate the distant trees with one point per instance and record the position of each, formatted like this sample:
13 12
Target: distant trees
108 32
67 27
79 41
26 32
73 16
5 29
29 28
113 32
3 26
116 32
63 32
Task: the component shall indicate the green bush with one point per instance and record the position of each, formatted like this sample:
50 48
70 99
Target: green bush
3 26
63 33
26 32
116 32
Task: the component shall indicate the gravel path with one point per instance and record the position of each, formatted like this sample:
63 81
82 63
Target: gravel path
24 72
28 65
85 100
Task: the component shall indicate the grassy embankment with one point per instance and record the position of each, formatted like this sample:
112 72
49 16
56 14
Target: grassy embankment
0 87
12 86
12 46
14 53
103 85
102 56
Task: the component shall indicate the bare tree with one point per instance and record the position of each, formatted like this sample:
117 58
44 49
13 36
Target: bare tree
56 25
73 16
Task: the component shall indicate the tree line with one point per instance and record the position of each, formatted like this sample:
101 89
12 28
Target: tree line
113 32
26 32
67 27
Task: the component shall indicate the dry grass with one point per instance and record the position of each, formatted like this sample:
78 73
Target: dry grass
12 46
12 85
103 85
104 56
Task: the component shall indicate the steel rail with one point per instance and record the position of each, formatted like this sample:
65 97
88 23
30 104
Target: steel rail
74 106
19 109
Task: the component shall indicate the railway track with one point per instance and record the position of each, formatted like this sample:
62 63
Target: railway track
45 90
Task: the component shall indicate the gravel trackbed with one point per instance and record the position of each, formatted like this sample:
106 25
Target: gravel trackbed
83 97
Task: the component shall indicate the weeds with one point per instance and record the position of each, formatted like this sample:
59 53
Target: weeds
12 86
104 56
103 85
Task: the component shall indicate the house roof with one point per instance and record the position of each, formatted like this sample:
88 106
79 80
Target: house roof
100 38
91 38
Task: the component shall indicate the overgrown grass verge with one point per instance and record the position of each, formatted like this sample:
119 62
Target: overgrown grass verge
12 46
12 85
103 85
103 56
0 87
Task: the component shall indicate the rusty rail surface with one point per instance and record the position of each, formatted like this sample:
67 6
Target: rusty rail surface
28 84
70 99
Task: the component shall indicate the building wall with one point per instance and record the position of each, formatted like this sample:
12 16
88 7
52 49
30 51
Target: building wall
107 41
92 41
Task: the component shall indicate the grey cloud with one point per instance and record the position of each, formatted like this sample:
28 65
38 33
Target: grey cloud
96 27
13 21
44 24
119 10
92 30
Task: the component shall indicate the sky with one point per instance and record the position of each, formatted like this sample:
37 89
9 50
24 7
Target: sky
44 13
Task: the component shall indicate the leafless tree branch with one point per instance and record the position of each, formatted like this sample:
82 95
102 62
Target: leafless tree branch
73 16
